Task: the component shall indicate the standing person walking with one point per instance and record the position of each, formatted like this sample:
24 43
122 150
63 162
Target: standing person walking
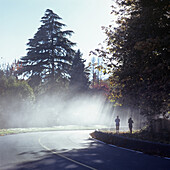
117 120
130 121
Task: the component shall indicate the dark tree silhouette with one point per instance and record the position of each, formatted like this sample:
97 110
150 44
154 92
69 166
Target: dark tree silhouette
140 44
79 75
50 52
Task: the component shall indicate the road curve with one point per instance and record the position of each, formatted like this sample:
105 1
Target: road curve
66 150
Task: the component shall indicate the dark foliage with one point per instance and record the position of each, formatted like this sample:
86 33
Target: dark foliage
137 50
79 75
50 52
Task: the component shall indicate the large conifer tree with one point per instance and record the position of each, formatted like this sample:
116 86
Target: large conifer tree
50 51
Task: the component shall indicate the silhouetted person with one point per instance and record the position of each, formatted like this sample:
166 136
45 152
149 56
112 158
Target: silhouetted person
117 120
130 121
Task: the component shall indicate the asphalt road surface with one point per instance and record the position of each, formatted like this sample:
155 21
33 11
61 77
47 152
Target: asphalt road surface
67 150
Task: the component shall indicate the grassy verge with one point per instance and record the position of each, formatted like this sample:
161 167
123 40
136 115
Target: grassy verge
162 137
139 141
11 131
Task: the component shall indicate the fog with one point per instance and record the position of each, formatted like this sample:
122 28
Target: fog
65 109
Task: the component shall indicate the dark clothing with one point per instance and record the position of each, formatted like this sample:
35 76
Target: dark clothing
130 121
117 127
117 120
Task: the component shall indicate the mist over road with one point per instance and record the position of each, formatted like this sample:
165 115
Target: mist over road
57 150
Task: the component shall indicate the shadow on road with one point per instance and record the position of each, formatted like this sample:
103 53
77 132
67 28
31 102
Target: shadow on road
97 155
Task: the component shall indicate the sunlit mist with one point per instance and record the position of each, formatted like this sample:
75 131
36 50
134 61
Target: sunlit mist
62 110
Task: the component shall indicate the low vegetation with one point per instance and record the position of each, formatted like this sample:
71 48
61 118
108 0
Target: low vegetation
149 143
161 137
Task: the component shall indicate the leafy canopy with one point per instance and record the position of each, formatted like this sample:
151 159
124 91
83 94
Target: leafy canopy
137 52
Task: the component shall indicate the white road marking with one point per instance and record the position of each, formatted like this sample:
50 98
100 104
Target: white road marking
59 154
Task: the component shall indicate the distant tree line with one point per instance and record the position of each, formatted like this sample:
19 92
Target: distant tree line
50 66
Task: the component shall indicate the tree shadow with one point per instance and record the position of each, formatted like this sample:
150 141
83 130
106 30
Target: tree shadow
97 155
47 161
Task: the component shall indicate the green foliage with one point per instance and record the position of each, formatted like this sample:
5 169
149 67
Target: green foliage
14 95
18 89
137 49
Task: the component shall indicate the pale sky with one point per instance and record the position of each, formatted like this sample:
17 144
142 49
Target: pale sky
20 20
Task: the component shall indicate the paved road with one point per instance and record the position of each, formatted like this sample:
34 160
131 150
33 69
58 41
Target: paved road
67 150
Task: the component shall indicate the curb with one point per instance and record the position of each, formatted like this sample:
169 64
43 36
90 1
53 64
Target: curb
147 147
